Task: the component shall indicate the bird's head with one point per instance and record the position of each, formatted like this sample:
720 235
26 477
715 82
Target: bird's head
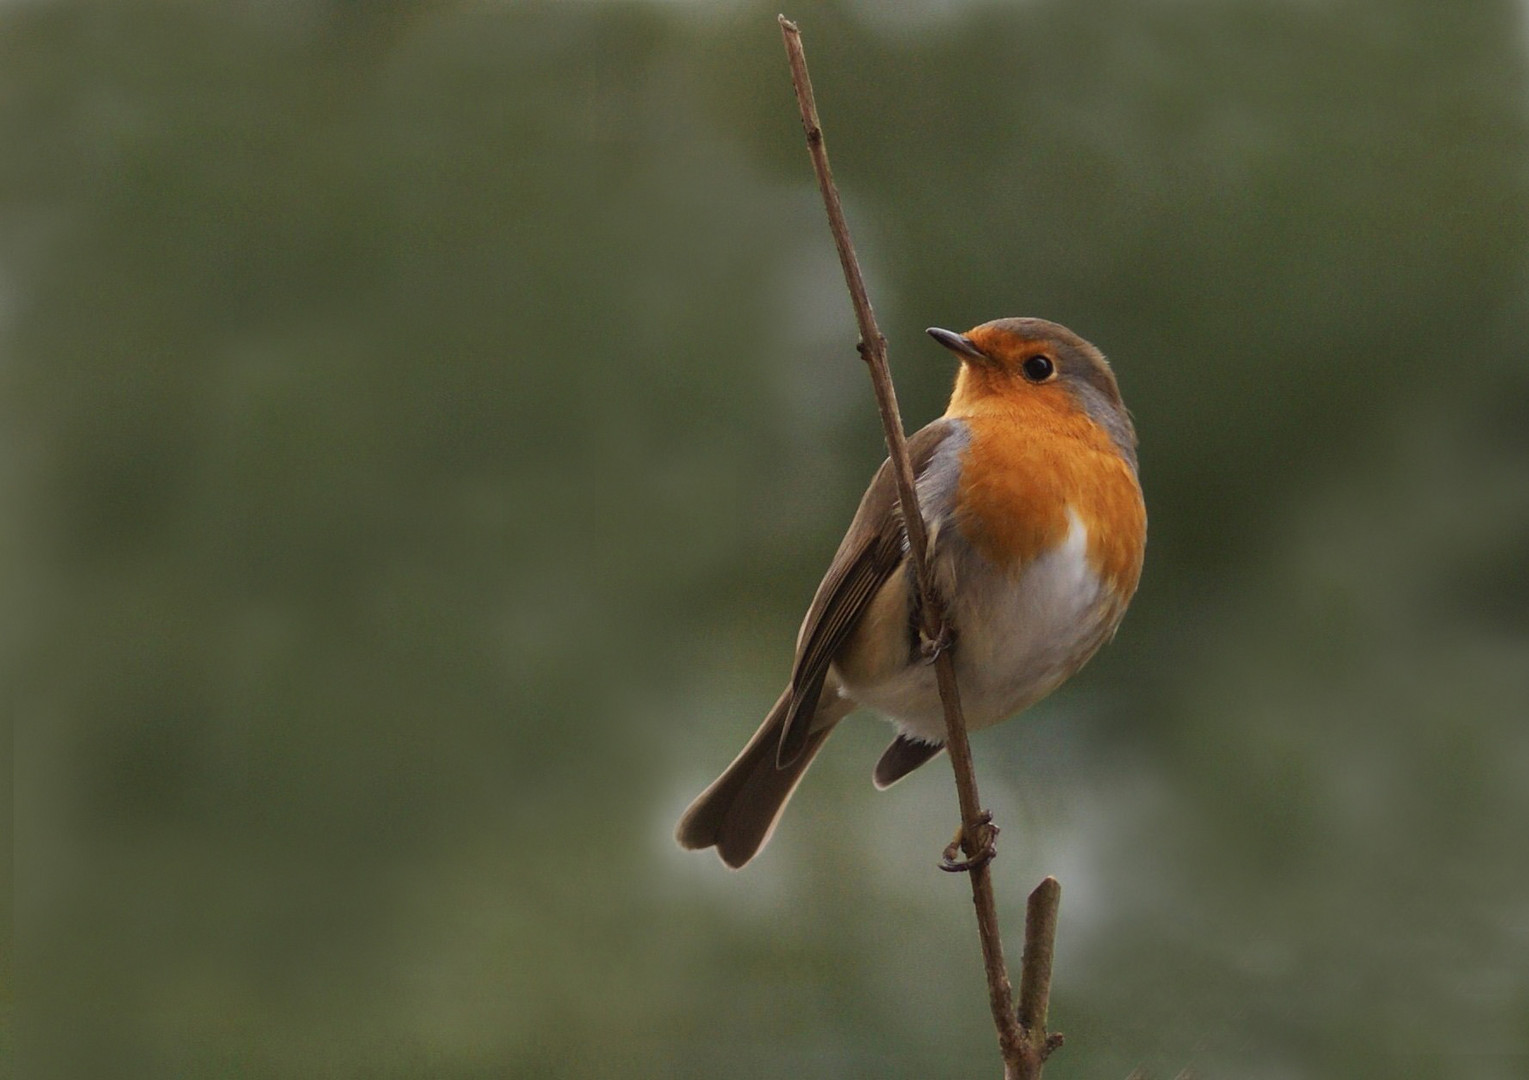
1033 364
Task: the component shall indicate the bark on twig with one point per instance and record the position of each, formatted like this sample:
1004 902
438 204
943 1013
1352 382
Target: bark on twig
1035 978
1022 1038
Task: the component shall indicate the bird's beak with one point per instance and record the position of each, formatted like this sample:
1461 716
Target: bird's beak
956 343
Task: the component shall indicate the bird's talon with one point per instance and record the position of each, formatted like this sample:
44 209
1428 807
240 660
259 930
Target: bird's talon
930 648
985 851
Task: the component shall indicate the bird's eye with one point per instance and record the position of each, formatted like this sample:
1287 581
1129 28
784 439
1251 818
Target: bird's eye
1039 368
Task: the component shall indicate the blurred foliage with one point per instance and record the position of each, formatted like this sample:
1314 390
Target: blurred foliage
424 424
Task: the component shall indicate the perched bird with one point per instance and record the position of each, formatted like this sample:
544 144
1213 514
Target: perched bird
1036 529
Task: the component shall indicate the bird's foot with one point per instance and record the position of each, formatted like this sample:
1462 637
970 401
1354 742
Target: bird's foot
930 648
979 852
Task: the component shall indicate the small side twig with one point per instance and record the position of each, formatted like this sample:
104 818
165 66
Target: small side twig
1022 1038
1035 976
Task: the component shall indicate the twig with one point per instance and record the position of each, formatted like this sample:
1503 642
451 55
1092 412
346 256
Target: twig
1026 1045
1035 977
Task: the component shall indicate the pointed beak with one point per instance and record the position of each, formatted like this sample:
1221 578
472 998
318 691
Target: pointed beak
956 343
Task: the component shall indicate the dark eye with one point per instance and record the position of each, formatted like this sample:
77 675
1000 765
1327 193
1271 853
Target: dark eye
1039 368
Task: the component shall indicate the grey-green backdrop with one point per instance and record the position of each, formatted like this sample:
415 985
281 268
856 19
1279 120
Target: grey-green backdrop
424 423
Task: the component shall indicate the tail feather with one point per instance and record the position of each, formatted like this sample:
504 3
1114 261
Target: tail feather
739 811
901 758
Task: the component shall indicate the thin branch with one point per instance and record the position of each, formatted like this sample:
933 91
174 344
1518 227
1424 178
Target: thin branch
873 347
1023 1048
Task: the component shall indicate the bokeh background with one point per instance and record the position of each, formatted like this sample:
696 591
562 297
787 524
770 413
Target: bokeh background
424 424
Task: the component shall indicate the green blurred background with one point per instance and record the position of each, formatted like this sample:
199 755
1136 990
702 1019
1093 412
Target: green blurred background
424 424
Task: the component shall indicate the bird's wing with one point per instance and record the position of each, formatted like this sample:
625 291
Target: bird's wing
872 550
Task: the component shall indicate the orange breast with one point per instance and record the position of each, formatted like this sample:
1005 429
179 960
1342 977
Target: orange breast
1033 456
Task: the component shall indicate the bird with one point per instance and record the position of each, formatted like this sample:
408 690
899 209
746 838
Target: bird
1036 530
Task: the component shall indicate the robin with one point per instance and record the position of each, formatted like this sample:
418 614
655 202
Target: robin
1036 529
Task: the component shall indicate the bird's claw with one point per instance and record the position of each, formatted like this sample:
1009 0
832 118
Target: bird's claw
930 648
986 847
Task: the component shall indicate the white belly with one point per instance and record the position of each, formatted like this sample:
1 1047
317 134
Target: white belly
1019 637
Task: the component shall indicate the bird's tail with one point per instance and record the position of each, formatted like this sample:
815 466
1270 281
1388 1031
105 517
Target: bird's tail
738 812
